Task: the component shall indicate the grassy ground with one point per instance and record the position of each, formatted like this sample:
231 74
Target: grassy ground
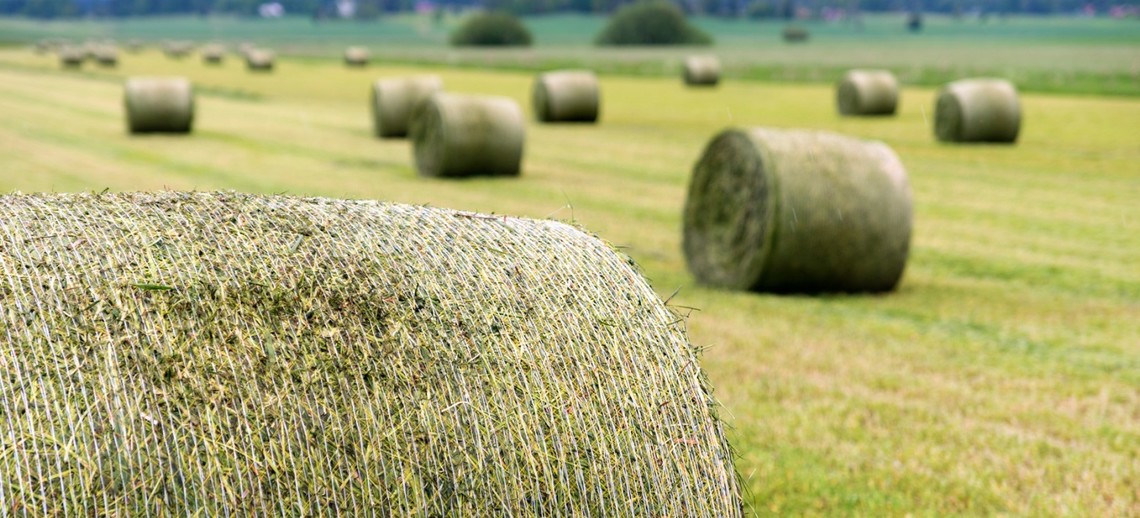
1070 55
1002 377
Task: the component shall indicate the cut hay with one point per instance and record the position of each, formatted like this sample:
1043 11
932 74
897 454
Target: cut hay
567 96
107 56
978 110
213 54
356 57
797 211
71 56
174 354
867 92
701 71
468 135
394 100
159 105
259 60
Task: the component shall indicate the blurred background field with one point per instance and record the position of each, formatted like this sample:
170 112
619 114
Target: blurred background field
1002 377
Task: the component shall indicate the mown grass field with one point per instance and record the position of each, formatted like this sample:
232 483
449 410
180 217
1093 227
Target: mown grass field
1002 377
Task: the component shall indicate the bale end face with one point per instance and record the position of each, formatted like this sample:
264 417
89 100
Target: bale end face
566 96
159 105
797 211
468 135
978 110
395 102
867 93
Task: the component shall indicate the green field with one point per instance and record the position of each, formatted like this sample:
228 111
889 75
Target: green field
1002 377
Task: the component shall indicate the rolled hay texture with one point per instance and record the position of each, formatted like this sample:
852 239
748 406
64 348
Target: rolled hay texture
72 56
260 60
467 135
213 54
867 92
977 110
227 354
159 105
395 100
356 56
567 96
702 71
797 211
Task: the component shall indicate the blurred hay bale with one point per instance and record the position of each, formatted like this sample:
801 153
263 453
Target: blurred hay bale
867 92
213 54
795 34
466 135
159 105
395 100
222 354
567 96
177 49
134 46
701 70
71 56
356 56
977 110
260 60
107 56
797 211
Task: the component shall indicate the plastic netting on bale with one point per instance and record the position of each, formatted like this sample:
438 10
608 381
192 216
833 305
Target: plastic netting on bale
225 354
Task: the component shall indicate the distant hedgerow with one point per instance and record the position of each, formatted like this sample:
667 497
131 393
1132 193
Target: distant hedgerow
492 29
651 22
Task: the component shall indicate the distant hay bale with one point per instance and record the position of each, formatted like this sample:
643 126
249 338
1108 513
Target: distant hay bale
213 354
867 92
178 49
796 34
107 56
702 71
243 48
356 56
159 105
71 56
213 54
467 135
978 110
260 60
134 45
394 100
797 211
567 96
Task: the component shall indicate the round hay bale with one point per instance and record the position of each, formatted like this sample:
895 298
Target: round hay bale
467 135
796 34
260 60
977 110
356 57
213 54
223 354
71 56
702 71
797 211
394 100
159 105
867 92
177 49
107 56
567 96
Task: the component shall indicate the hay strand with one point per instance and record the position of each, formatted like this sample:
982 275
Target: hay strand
566 96
467 135
215 354
159 105
701 71
867 92
394 100
978 110
797 211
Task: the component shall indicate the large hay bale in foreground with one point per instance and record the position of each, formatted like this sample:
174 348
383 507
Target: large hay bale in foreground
72 56
356 57
867 92
797 211
395 100
467 135
159 105
260 60
977 110
701 71
213 54
227 354
567 96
